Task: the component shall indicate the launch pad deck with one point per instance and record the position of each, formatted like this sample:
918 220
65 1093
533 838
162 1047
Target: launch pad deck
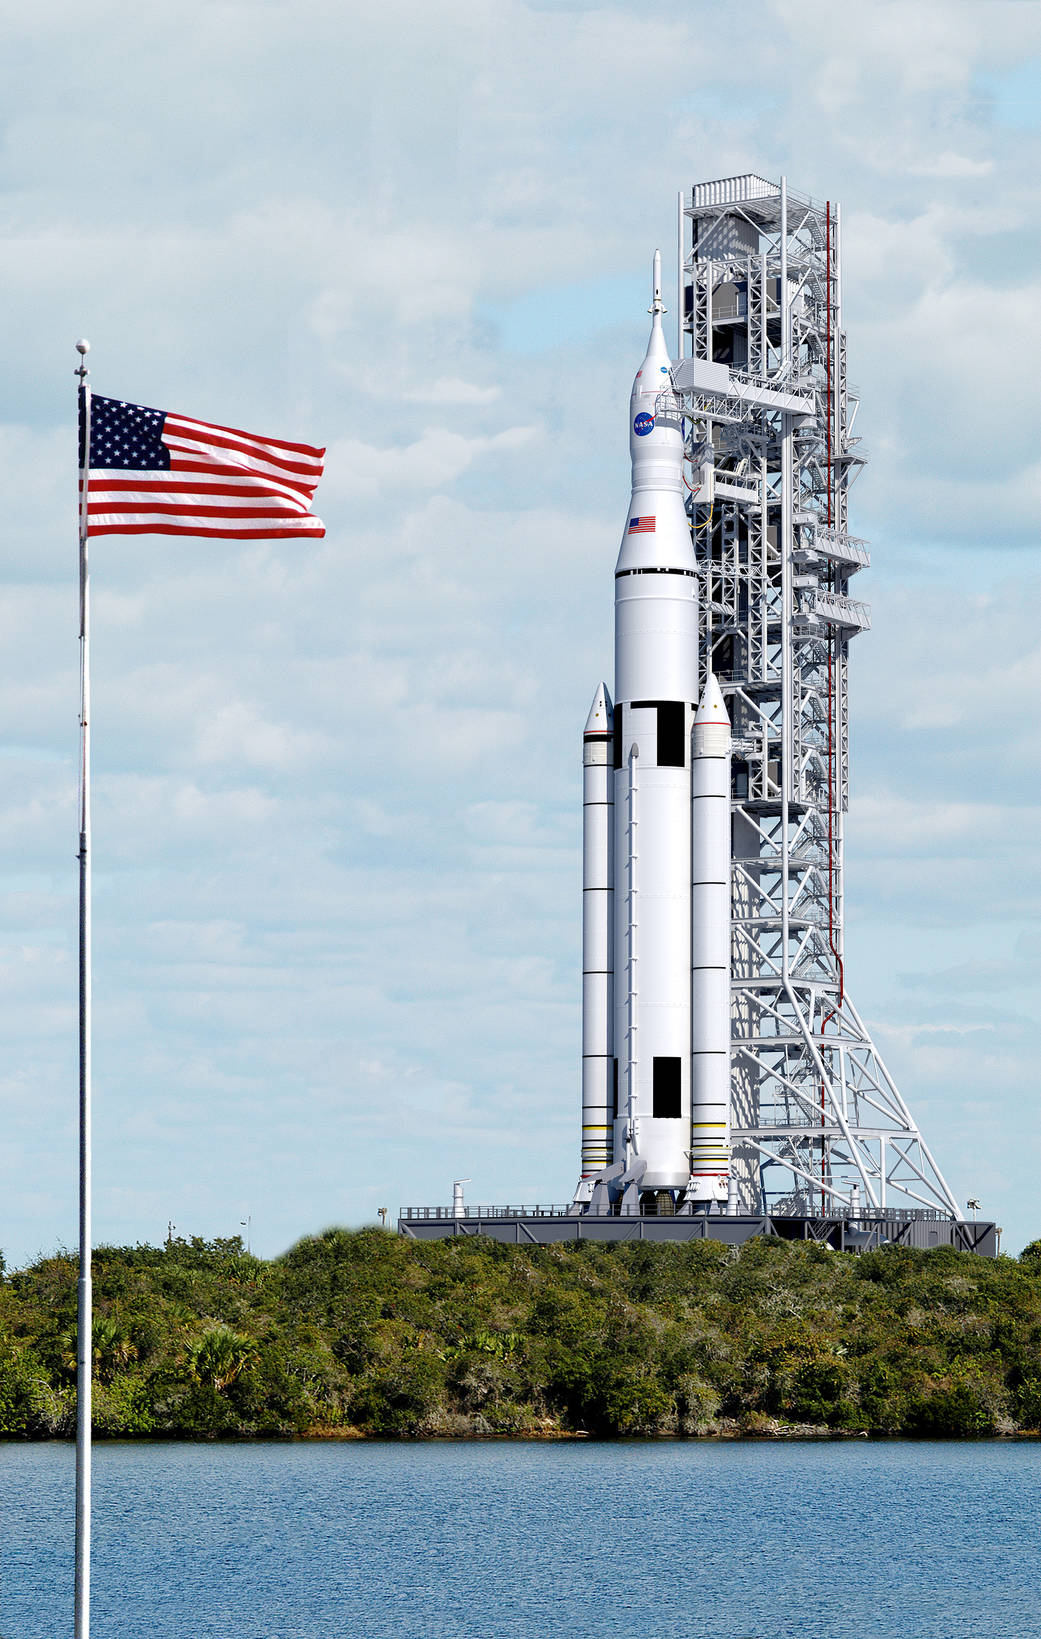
550 1225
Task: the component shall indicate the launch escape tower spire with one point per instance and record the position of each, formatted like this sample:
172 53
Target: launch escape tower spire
817 1122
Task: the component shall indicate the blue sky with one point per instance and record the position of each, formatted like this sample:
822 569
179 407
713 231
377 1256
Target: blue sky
337 815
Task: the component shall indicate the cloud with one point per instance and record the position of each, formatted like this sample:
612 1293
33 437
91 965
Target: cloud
999 977
937 828
436 458
237 734
953 165
338 785
450 390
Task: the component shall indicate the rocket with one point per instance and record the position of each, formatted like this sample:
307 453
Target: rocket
656 855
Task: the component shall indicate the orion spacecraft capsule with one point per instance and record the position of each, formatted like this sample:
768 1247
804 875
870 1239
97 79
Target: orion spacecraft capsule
656 847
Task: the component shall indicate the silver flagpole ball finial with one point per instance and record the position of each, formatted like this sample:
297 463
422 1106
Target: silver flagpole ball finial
83 347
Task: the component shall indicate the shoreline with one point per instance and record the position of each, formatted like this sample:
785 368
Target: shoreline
799 1435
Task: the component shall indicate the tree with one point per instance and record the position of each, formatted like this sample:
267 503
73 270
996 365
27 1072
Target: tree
219 1355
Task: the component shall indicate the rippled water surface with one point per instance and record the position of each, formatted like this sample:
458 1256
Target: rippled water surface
478 1541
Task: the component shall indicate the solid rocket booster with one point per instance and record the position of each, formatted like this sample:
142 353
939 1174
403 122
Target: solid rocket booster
656 651
710 1115
656 847
597 934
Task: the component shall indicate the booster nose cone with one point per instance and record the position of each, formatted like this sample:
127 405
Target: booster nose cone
601 717
711 723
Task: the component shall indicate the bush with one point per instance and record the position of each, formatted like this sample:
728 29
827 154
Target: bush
407 1399
31 1406
957 1410
404 1338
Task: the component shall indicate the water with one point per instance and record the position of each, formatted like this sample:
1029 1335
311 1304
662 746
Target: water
490 1540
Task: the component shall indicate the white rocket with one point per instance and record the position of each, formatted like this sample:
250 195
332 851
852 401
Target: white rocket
656 924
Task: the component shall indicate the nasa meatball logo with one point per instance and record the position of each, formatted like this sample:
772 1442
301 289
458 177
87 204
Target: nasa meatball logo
643 424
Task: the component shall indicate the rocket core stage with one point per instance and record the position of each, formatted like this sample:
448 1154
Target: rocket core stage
656 848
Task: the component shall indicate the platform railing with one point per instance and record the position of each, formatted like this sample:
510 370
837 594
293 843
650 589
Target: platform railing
862 1216
554 1211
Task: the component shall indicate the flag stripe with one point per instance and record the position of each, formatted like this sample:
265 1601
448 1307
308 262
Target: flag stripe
198 462
259 459
214 470
240 481
174 509
258 532
143 484
248 439
229 470
247 490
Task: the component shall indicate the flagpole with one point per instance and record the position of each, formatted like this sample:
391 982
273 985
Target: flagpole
84 1318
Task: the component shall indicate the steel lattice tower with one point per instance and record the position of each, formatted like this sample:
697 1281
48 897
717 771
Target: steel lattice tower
817 1120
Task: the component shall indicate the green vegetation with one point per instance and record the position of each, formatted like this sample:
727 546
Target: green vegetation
371 1334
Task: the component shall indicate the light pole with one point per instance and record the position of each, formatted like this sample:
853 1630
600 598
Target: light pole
246 1224
973 1206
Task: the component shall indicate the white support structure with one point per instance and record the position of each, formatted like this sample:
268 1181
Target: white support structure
817 1122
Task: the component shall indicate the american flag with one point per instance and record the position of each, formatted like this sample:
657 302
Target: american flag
153 473
641 526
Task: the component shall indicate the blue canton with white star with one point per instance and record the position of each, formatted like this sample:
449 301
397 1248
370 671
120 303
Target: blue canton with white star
125 435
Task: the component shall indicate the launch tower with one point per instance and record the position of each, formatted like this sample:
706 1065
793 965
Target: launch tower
817 1122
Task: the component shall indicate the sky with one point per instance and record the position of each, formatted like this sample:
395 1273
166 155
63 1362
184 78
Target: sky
337 823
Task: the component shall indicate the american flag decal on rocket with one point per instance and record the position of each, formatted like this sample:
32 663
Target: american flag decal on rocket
641 526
